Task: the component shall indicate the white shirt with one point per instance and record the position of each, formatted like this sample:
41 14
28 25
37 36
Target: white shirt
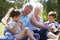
12 23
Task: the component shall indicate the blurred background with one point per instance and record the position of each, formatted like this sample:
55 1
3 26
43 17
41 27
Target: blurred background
49 5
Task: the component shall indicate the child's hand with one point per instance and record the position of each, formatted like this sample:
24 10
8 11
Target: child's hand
50 25
17 23
51 29
21 25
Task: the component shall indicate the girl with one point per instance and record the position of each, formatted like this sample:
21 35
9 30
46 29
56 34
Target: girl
15 26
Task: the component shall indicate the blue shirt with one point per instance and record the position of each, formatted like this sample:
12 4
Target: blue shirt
24 19
32 27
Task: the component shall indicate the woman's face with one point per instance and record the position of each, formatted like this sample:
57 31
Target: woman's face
37 11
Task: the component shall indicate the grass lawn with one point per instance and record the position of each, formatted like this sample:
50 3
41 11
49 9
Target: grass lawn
1 29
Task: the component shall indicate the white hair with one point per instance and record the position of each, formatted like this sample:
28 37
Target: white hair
38 5
35 5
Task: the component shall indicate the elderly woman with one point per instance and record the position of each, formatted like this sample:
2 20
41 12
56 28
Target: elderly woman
37 9
36 23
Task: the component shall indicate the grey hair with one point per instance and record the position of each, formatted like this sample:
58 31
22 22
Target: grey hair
38 5
27 4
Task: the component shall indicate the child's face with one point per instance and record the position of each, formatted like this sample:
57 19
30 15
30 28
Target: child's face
16 18
51 19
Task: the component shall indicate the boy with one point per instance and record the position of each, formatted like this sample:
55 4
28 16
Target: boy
52 23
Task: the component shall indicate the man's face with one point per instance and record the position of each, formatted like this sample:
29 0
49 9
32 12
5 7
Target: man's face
51 19
27 10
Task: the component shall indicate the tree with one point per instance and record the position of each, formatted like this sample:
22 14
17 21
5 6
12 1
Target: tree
58 8
4 7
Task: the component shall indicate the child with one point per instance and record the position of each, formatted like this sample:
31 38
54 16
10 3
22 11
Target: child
18 31
51 22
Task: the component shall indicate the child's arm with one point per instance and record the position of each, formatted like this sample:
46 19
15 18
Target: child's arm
21 25
13 30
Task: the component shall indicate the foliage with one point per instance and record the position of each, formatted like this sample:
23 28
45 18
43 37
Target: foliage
51 5
4 7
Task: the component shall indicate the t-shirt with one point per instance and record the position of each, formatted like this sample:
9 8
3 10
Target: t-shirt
53 25
24 19
31 26
12 23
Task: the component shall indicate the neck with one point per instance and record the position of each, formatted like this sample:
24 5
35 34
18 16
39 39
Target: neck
51 21
23 13
37 17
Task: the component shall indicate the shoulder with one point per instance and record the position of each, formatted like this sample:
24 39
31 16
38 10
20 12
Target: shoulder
56 22
11 22
46 22
40 17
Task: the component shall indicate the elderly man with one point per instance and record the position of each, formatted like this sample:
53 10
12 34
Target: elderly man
24 18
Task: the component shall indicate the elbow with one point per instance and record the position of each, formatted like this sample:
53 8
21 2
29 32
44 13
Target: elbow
2 21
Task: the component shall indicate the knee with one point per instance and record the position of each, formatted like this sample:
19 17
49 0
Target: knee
26 28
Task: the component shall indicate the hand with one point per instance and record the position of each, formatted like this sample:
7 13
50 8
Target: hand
20 23
50 25
51 29
17 23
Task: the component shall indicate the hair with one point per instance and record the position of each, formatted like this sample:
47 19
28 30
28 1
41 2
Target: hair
53 14
38 5
30 6
9 14
14 13
27 4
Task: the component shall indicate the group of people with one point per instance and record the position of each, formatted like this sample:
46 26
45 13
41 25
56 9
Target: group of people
24 23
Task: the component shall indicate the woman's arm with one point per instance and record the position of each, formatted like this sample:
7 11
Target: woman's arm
35 23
